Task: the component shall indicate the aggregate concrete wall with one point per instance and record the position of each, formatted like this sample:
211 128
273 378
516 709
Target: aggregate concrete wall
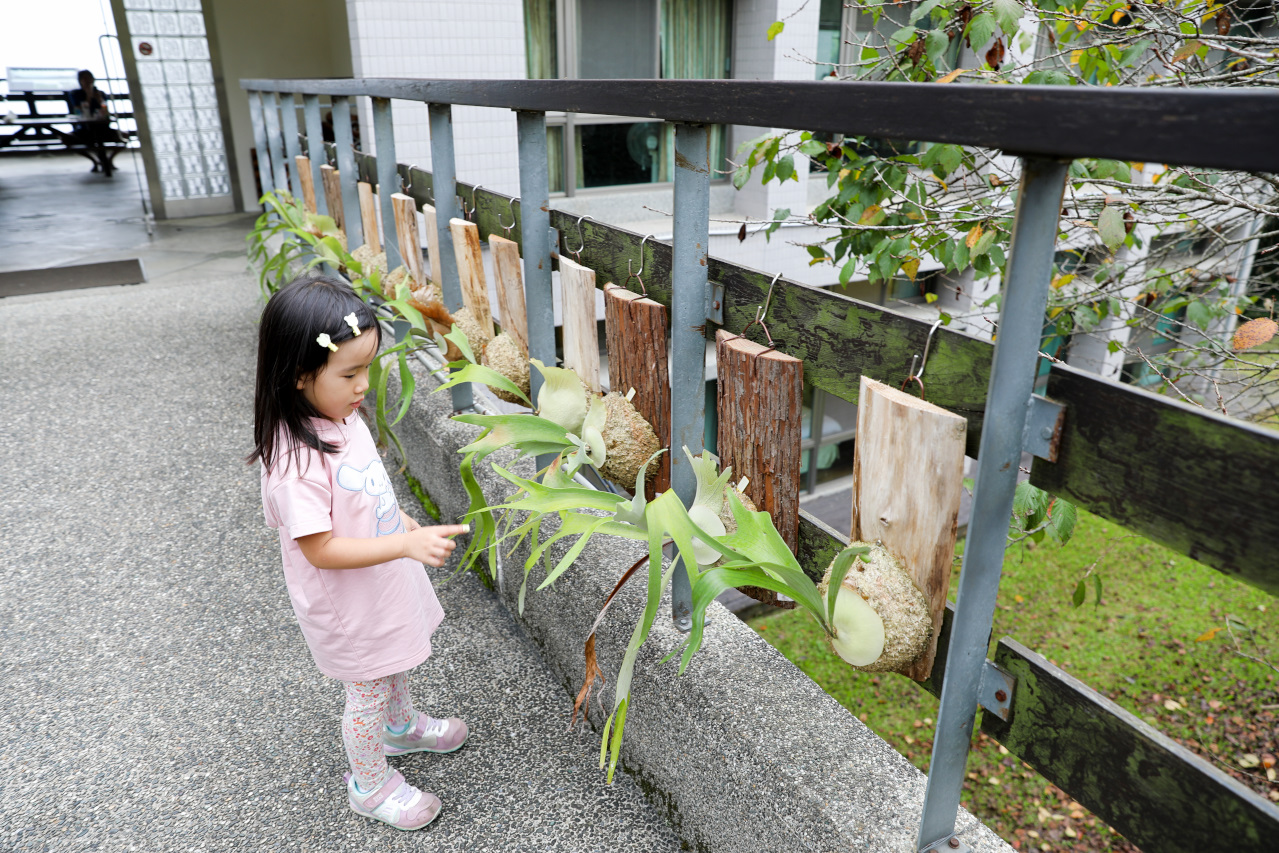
743 751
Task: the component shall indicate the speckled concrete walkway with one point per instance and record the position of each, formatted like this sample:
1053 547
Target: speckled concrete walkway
155 693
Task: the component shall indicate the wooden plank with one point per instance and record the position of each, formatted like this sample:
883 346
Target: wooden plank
470 271
1188 478
510 288
635 329
1160 126
333 194
368 216
759 435
303 164
581 333
432 244
1158 794
406 232
908 475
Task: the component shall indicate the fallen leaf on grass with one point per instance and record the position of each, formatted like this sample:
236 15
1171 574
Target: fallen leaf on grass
1207 635
1248 760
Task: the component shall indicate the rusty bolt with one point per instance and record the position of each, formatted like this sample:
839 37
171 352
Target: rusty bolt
715 304
1001 696
953 842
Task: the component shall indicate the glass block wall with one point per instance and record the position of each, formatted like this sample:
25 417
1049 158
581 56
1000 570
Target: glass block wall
171 50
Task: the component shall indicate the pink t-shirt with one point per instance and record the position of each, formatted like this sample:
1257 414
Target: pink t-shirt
360 624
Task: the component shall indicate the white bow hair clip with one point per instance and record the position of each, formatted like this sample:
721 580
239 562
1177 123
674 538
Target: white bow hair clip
325 341
353 323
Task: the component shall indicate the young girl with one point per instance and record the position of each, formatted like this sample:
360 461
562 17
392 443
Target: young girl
352 559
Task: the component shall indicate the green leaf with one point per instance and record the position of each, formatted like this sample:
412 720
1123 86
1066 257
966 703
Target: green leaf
1008 13
949 158
1198 312
923 9
775 29
981 29
1113 346
812 148
1134 51
1062 519
935 44
1110 225
1081 592
1096 582
843 562
902 37
741 175
785 168
408 384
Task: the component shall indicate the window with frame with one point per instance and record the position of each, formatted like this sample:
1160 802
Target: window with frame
623 39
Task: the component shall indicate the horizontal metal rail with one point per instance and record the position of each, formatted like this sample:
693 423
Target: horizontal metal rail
1180 126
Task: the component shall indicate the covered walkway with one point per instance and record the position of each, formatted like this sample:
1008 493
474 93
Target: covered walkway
155 693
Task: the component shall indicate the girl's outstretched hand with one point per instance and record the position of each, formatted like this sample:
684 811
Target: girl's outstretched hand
432 545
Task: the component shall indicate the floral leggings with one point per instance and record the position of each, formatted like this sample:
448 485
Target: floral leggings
369 706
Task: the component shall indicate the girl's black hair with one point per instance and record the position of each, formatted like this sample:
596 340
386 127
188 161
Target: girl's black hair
287 351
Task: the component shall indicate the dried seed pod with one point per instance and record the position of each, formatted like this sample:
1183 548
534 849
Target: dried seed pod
504 355
879 580
629 441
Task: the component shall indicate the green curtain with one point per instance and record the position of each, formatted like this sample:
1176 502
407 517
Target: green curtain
696 38
540 39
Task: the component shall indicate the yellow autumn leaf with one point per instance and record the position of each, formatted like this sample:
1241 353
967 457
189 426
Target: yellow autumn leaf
872 215
973 236
1063 280
844 173
1116 17
911 268
950 78
1207 635
1254 333
1075 56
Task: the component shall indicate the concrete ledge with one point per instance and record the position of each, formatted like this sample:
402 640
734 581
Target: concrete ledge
743 752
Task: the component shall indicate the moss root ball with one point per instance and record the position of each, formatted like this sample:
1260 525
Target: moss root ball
629 441
504 355
880 579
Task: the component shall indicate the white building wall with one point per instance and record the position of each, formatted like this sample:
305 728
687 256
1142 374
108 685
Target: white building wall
476 39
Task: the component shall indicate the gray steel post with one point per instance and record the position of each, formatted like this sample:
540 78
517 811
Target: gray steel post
289 121
688 325
274 139
535 225
259 142
344 142
388 179
1012 381
315 148
444 180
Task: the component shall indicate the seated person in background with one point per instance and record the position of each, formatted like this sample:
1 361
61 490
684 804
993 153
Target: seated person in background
88 102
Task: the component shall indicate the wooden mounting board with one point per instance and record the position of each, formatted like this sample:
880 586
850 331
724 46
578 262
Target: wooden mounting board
760 393
307 182
430 223
908 474
581 334
329 176
510 288
368 216
406 232
470 272
635 327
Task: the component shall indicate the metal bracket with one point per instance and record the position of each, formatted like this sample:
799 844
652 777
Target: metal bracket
715 303
1043 428
996 691
949 844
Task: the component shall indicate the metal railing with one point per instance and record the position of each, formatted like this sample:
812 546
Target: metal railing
1188 482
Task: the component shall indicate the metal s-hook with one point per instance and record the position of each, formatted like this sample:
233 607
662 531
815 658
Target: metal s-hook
761 313
581 238
637 275
474 203
510 205
923 363
404 188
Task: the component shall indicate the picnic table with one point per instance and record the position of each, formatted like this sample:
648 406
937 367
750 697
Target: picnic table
91 142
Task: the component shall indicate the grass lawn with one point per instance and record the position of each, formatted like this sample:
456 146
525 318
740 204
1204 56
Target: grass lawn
1150 645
